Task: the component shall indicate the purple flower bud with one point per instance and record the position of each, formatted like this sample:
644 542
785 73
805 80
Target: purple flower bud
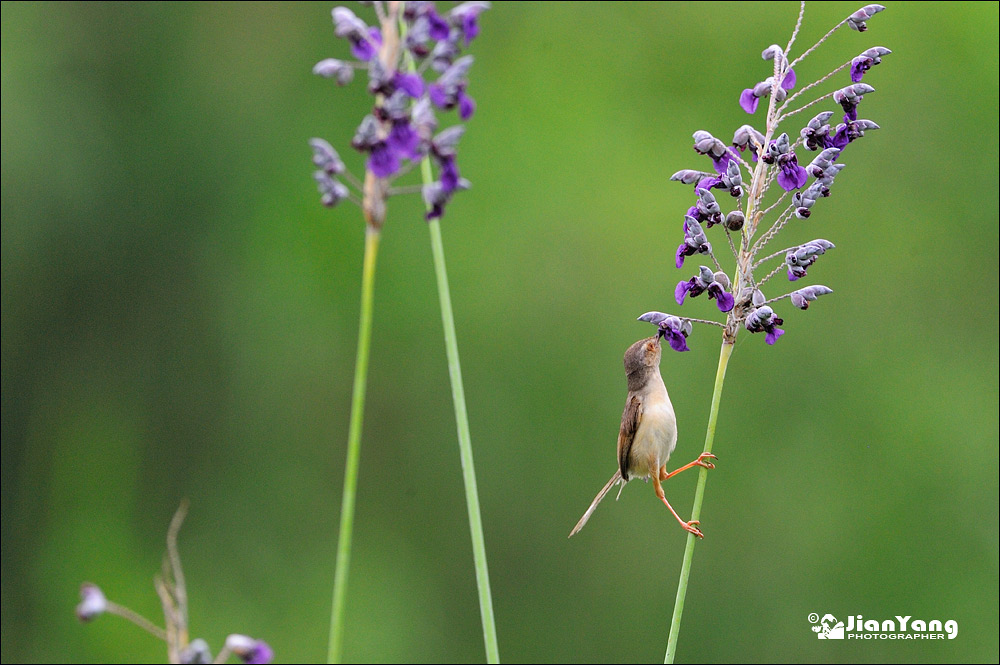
803 297
446 143
449 90
347 24
331 191
850 97
671 328
325 157
733 179
365 41
690 176
858 18
734 220
436 195
443 54
423 119
816 134
465 16
707 208
196 653
757 297
868 59
249 650
771 52
706 144
805 200
379 78
801 257
695 241
439 28
747 137
763 319
332 68
92 602
821 162
366 135
395 107
723 279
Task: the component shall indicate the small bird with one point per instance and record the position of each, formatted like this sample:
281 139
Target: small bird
649 430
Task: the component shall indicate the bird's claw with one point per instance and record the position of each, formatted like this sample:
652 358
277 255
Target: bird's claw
701 461
692 527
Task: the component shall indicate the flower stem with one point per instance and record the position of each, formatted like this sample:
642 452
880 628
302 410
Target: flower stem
699 496
464 438
353 447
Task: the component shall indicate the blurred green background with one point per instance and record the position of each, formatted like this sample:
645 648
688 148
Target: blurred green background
179 320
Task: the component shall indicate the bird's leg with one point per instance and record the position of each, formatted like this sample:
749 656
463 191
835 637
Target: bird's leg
701 461
690 527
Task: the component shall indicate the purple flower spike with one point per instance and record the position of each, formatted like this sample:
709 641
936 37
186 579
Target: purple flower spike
249 650
749 101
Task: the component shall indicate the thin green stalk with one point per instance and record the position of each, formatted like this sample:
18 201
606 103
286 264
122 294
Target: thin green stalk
699 495
353 447
464 438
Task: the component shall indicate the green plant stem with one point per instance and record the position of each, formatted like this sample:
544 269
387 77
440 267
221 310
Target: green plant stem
464 438
699 496
353 447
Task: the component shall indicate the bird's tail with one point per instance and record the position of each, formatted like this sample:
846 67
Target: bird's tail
615 479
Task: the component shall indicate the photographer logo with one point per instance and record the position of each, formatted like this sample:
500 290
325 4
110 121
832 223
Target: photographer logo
857 627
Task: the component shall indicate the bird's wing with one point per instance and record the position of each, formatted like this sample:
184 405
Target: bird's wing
631 418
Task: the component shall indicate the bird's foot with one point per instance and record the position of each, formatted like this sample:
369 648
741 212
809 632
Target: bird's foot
692 527
703 460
